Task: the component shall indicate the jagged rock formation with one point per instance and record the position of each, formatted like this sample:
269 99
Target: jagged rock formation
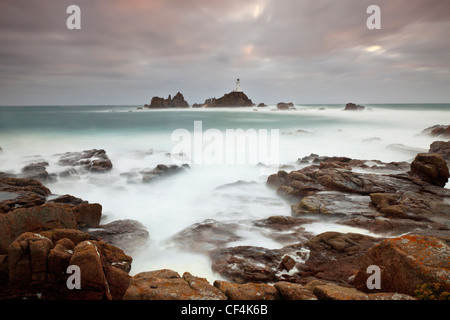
176 102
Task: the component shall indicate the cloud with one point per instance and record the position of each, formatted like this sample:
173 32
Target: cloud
130 50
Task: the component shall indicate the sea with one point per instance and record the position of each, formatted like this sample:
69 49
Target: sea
218 186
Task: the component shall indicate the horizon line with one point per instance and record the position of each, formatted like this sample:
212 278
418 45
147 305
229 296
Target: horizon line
190 106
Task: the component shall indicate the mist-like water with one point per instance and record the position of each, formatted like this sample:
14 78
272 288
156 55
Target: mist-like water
140 140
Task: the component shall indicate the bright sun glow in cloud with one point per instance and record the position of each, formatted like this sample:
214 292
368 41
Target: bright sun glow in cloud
375 49
247 10
257 11
248 50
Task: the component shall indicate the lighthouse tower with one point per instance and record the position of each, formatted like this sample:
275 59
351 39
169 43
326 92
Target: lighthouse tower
238 86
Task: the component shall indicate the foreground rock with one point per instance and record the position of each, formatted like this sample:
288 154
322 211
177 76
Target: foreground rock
336 204
39 240
349 163
341 262
86 214
432 168
249 291
336 292
293 291
285 229
35 263
168 285
21 193
332 256
211 234
244 264
207 235
37 171
34 219
391 204
129 235
442 148
37 267
329 256
406 263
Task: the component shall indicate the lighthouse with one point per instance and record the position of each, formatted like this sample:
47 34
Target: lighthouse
238 86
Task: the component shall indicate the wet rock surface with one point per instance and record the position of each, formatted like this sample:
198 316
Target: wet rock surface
211 234
382 203
37 171
293 291
407 262
285 229
37 263
34 219
39 239
330 256
129 235
94 160
168 285
442 148
21 193
155 174
432 168
207 235
245 264
162 170
42 234
249 291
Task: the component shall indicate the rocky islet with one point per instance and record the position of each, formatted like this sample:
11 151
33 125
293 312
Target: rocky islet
176 102
231 99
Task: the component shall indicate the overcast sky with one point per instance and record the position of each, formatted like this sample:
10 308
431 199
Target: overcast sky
304 51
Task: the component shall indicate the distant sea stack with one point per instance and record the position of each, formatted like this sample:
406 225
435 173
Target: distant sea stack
353 107
236 98
232 99
285 106
176 102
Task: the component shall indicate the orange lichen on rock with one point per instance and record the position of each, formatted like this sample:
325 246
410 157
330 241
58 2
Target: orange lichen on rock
406 262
